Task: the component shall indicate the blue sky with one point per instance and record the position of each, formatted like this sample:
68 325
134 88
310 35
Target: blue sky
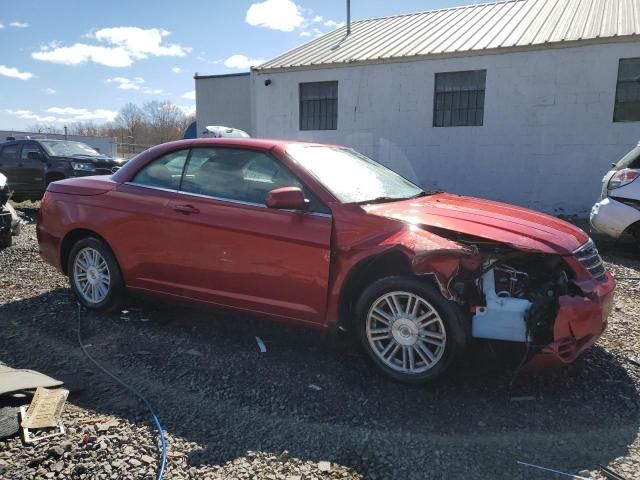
72 60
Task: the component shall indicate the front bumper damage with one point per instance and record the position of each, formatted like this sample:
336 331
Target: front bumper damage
578 325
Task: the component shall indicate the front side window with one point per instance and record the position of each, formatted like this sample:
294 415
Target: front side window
459 99
163 172
240 175
28 148
10 152
319 106
350 176
627 108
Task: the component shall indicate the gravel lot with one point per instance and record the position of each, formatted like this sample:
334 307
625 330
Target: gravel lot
308 408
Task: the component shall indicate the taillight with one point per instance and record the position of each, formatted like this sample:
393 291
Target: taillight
622 178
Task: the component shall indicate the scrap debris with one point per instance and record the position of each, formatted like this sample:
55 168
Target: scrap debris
571 475
610 474
261 345
46 408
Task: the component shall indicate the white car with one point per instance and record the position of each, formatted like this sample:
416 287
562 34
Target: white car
218 131
618 210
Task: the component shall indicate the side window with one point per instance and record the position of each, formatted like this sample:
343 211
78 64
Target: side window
27 148
163 172
242 175
627 107
10 152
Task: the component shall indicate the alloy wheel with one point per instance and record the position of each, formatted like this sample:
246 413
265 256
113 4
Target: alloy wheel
406 332
91 275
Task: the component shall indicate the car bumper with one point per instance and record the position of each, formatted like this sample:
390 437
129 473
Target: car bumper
579 323
612 218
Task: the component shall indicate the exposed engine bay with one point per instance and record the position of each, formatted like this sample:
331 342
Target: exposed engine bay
513 296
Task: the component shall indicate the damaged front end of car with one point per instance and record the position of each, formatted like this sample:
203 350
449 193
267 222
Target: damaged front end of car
556 304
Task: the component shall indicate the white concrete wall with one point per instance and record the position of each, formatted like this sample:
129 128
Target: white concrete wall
223 100
548 134
105 145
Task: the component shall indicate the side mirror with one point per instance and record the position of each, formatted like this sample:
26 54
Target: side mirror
287 198
35 156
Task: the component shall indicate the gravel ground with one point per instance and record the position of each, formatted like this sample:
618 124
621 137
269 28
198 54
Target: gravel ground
308 407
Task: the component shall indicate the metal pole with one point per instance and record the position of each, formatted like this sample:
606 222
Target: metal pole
65 132
348 17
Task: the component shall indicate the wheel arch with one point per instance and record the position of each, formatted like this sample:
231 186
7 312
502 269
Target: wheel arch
73 237
364 273
53 176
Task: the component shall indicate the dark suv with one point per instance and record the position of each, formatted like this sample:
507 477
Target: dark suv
32 164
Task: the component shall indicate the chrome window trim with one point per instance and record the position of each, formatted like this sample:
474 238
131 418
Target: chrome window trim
222 199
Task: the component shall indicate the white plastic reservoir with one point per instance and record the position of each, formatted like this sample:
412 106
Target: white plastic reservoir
502 318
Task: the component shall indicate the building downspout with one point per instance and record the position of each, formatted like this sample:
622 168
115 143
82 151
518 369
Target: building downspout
348 17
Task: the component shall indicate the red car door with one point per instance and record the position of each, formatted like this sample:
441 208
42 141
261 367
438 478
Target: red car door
228 248
141 221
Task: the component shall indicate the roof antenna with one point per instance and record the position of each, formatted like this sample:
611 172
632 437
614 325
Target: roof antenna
348 17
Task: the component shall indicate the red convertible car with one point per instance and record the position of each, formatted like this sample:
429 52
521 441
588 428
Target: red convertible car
323 236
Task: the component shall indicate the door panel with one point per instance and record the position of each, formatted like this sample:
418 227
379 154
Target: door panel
9 159
31 172
250 257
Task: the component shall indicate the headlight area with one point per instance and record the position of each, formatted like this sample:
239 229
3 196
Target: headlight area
83 167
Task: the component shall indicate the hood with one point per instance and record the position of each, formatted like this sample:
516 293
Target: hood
517 227
101 159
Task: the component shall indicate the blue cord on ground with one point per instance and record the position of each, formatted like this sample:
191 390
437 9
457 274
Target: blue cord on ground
163 444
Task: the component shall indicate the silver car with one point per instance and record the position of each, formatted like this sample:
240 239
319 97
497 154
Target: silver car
618 211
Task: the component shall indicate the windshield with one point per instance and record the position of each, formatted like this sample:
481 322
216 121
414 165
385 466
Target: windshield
350 176
68 149
630 160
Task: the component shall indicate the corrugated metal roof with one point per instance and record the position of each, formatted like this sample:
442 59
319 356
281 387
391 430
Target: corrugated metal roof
469 29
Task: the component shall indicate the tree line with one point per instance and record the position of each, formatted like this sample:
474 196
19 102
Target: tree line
136 127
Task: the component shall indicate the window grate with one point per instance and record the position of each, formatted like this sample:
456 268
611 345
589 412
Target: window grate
627 108
459 99
319 106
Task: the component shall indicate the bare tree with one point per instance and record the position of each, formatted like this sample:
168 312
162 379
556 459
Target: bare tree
131 119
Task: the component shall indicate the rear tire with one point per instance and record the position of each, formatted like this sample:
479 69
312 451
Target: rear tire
95 276
409 330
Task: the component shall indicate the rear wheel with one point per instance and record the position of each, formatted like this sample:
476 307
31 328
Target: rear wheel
95 276
409 330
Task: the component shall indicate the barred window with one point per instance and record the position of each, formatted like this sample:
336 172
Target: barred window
627 108
459 99
319 106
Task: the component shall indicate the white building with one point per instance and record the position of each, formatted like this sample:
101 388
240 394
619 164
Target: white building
223 100
525 101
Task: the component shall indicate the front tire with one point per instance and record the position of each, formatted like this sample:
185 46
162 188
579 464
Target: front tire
409 330
95 276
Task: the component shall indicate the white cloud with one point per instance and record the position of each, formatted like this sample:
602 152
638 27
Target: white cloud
187 109
126 45
152 91
49 91
190 95
317 19
77 114
81 53
283 15
1 26
135 83
29 115
333 24
15 73
242 62
141 42
126 83
305 33
19 24
176 70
